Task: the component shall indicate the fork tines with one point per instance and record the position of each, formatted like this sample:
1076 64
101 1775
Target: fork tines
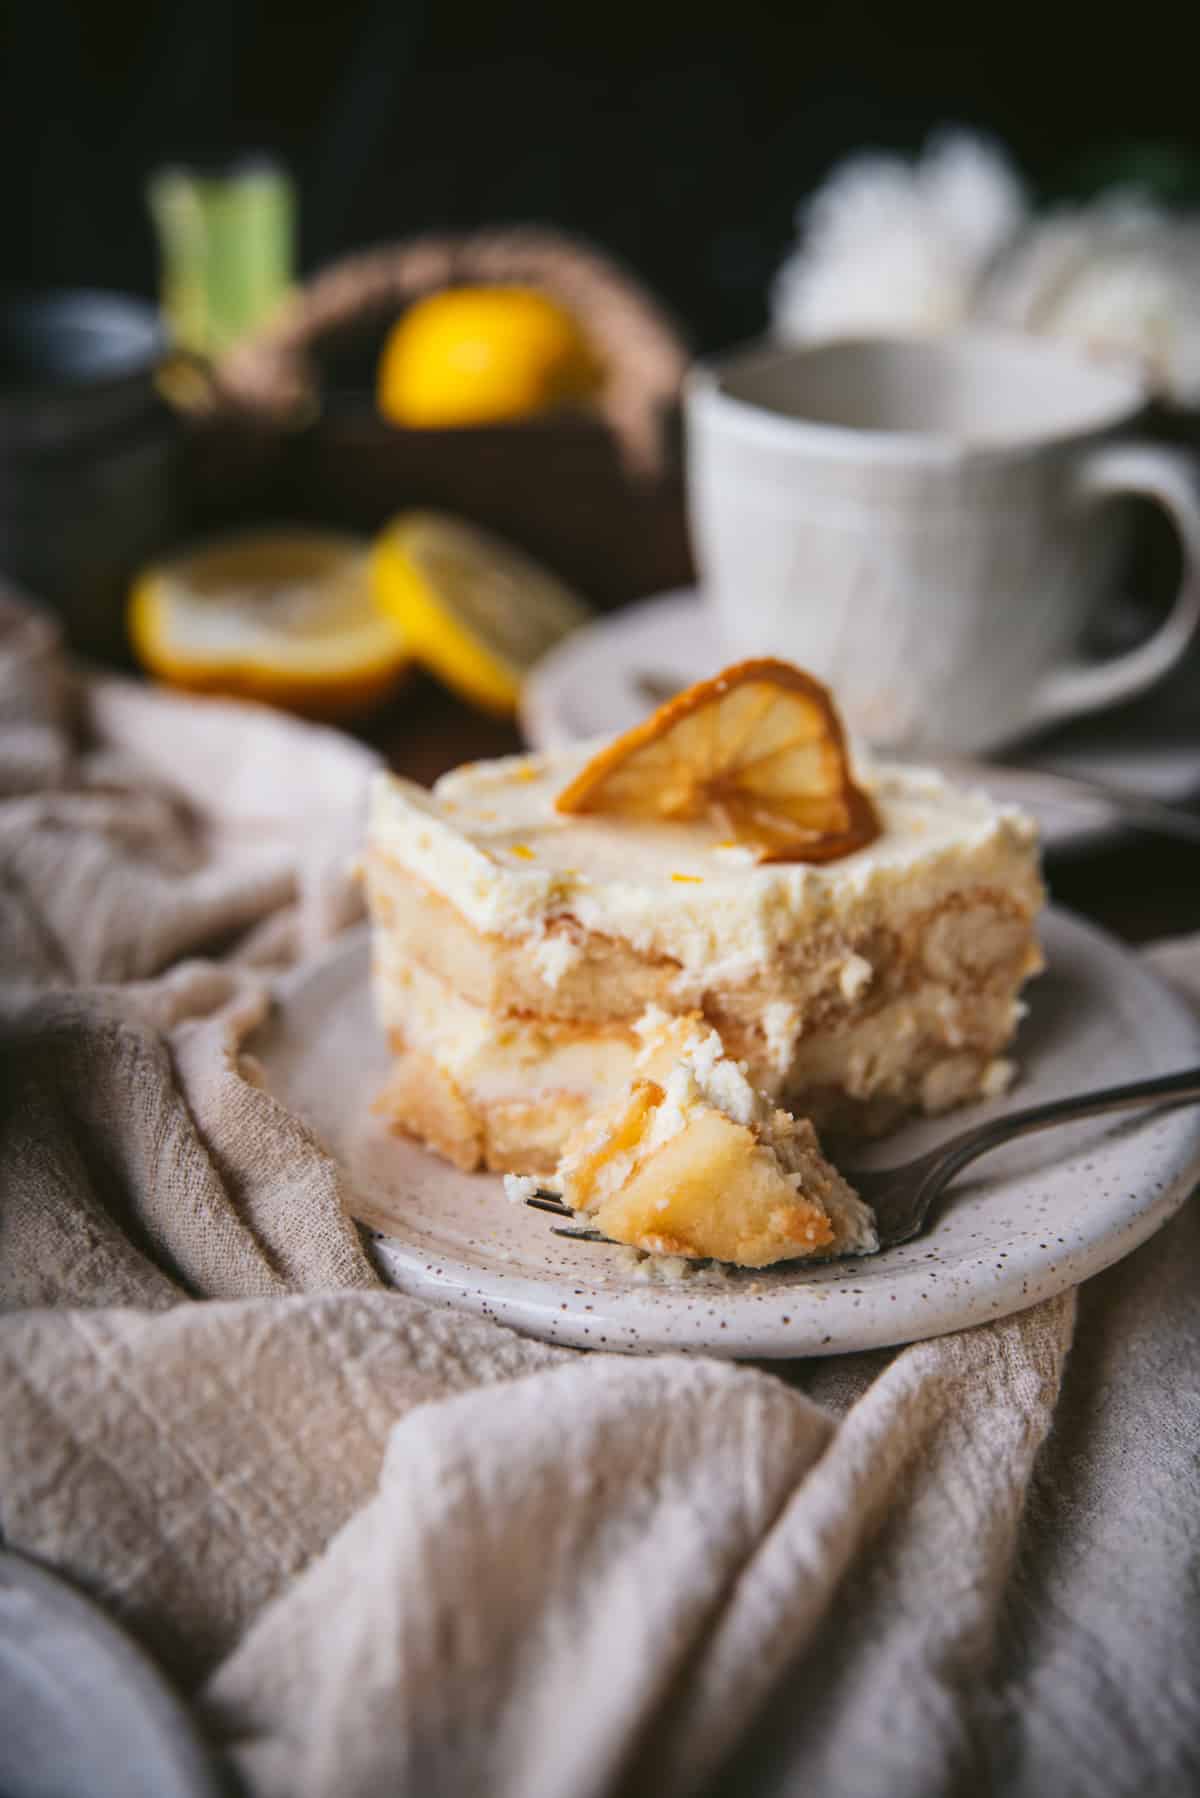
545 1200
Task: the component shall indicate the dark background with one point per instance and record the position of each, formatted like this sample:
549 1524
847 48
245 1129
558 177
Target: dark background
680 136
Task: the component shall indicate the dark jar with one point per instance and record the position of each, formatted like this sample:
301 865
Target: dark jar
89 455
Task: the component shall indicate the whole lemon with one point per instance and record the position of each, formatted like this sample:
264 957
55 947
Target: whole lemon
475 355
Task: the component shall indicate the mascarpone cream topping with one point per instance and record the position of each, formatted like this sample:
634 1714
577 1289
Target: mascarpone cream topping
490 841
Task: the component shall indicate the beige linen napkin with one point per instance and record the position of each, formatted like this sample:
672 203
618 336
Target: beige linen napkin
388 1548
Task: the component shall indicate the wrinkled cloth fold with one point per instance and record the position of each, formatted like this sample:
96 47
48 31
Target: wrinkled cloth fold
384 1547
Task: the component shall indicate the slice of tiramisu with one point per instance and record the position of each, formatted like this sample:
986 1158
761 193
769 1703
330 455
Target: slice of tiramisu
858 943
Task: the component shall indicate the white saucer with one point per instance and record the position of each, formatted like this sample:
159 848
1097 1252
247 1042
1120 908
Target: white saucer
606 677
1030 1220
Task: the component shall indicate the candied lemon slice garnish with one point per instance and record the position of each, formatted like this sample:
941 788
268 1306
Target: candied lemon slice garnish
759 751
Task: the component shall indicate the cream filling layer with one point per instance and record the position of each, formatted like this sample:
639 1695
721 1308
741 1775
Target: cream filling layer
495 1059
932 1047
886 1054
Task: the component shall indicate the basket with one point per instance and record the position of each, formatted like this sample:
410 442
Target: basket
595 493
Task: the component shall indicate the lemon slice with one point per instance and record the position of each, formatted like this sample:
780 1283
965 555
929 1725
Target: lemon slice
475 610
759 750
283 616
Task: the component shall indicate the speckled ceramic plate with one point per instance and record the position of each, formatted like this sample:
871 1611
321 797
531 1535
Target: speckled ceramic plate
1023 1224
604 678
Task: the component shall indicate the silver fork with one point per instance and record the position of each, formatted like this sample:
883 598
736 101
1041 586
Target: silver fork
902 1197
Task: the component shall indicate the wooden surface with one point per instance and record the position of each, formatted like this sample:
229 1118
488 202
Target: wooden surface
1139 887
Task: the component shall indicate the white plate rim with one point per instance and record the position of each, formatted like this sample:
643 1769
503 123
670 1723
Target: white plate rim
649 1317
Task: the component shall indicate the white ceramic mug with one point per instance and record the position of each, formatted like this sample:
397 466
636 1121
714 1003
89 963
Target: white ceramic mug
921 523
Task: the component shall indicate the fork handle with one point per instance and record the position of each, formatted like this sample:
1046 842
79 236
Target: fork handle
1166 1089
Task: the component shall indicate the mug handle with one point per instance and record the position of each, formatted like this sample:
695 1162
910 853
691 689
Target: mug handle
1169 478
